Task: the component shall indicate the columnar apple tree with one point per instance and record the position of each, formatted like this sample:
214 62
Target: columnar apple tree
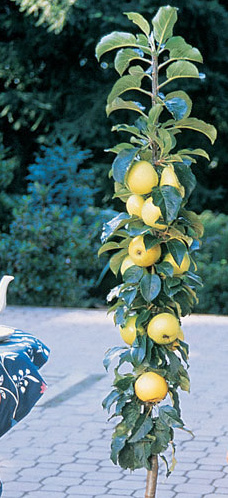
152 242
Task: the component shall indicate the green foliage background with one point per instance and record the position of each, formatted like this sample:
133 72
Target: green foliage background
52 86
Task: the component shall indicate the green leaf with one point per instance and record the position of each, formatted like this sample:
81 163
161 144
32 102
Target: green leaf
112 397
169 416
169 200
119 103
197 125
138 350
177 249
179 104
122 163
129 295
194 152
130 414
125 382
135 456
140 21
124 84
116 261
150 287
194 221
111 354
150 241
179 49
185 177
117 148
165 268
163 23
143 425
133 274
129 129
154 114
162 433
192 278
166 141
117 445
111 226
114 40
181 69
125 56
109 246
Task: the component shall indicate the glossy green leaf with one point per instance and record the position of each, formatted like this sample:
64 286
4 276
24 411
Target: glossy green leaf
178 104
133 274
125 382
140 21
181 69
138 351
150 287
193 220
154 114
116 261
128 128
169 416
185 177
111 226
197 125
114 40
117 148
112 397
109 246
122 163
178 250
128 295
163 23
110 355
143 425
179 49
166 141
165 268
130 414
119 103
195 152
169 200
124 84
125 56
117 445
135 456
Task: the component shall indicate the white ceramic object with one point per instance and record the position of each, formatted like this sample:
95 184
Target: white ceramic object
3 289
5 332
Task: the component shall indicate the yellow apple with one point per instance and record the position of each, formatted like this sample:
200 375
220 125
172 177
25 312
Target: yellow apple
128 333
141 256
178 270
151 213
163 328
142 177
169 177
127 263
134 204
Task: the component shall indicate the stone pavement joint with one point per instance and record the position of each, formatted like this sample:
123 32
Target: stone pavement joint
62 448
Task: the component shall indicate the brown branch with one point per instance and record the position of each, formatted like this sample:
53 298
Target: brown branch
152 475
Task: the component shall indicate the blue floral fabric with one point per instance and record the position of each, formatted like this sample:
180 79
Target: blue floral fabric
21 385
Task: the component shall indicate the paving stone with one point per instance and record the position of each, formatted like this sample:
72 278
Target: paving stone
205 474
86 490
221 482
194 489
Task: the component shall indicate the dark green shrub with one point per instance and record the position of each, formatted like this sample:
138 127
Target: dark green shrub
52 244
212 264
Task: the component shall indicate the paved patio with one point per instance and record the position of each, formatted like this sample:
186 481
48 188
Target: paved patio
61 449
